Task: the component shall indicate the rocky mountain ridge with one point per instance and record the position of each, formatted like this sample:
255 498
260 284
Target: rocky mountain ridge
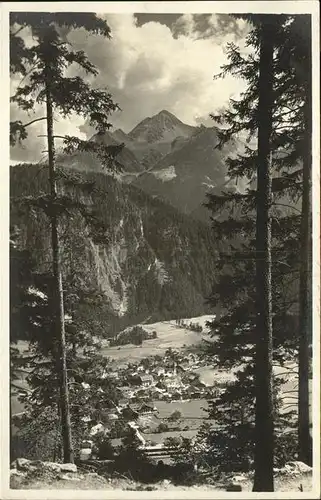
166 158
163 127
153 137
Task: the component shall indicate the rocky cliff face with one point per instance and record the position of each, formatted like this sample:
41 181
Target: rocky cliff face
154 262
193 168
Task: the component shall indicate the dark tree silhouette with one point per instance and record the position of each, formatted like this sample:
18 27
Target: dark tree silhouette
264 432
43 66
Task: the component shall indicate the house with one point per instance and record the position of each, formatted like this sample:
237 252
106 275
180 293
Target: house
194 393
191 376
190 390
160 372
146 409
113 416
99 428
177 395
110 375
126 391
147 380
86 450
173 382
184 364
172 385
141 393
156 392
107 414
86 419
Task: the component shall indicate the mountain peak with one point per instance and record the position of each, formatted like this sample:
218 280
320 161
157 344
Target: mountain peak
164 112
120 136
119 131
164 126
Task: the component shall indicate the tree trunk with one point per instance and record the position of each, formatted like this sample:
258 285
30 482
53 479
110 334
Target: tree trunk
305 441
264 442
58 289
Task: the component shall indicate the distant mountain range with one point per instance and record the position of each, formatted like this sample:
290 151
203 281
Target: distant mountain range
166 158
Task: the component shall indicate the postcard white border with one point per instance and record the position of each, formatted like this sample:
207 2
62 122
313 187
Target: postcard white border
291 7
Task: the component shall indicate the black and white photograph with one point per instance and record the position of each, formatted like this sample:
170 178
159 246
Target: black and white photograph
161 312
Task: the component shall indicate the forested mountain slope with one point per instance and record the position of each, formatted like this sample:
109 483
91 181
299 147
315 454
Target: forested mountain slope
149 260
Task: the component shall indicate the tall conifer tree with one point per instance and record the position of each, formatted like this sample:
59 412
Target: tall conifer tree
43 66
233 216
264 414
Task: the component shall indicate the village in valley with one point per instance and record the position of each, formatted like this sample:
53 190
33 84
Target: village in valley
163 397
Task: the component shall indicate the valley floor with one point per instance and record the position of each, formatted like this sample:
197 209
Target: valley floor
169 335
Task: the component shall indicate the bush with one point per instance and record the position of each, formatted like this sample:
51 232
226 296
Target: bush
105 450
234 452
172 442
286 448
135 335
176 415
131 459
162 428
195 327
37 438
118 430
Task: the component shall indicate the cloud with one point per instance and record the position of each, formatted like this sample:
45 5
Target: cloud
223 27
34 148
150 67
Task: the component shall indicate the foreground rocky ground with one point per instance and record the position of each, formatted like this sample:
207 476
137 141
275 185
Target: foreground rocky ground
26 474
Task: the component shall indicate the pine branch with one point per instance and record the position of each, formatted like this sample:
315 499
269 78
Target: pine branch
287 373
21 389
34 121
287 206
18 31
106 154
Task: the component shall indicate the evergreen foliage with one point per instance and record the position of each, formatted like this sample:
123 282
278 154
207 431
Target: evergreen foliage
235 289
31 321
131 458
44 66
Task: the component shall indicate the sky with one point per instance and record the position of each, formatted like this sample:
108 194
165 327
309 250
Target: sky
152 62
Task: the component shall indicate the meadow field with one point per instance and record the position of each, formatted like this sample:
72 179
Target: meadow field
169 335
